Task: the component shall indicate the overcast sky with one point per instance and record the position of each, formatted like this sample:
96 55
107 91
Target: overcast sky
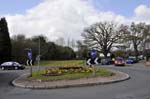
67 18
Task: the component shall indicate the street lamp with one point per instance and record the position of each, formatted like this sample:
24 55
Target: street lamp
38 57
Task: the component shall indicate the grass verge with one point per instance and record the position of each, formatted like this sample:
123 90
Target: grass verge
62 63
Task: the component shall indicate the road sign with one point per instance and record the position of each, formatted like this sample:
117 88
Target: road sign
38 58
93 53
29 62
90 61
30 54
96 60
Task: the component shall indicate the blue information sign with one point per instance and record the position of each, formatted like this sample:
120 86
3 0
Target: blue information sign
30 54
93 53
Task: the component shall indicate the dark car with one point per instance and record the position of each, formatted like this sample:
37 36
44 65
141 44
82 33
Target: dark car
11 65
131 60
106 61
119 62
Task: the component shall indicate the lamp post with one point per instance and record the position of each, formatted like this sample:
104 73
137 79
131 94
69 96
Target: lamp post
39 52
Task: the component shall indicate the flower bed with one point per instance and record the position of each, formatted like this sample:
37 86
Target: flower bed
67 70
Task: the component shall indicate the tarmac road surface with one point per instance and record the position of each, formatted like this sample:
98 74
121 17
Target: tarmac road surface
138 87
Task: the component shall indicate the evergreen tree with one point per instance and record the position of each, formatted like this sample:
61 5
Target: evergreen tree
5 43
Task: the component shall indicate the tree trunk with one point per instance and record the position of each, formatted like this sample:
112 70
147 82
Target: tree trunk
136 51
105 52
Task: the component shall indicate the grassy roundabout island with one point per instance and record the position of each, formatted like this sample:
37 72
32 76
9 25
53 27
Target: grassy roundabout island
69 72
64 74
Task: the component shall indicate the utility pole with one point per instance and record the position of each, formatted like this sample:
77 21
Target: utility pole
39 54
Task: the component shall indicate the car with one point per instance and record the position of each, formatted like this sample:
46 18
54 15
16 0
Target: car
11 65
141 57
131 60
119 62
106 61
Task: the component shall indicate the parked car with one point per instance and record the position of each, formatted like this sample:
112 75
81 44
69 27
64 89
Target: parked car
106 61
131 60
141 57
11 65
119 62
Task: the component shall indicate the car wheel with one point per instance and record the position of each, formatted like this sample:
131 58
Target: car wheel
16 68
3 68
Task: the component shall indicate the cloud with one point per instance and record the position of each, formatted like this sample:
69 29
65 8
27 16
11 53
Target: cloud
66 19
58 18
142 14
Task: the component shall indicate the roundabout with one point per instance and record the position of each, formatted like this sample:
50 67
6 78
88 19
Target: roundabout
137 87
24 82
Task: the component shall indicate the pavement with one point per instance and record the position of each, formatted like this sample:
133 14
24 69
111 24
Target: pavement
23 82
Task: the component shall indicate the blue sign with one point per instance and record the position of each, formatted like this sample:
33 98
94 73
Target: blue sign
30 54
93 53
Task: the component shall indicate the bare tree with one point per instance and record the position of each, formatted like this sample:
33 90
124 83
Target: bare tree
146 38
102 36
135 34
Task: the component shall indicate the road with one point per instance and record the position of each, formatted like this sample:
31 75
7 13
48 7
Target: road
138 87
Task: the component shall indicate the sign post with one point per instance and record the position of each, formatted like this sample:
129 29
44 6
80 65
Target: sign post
29 61
92 58
93 55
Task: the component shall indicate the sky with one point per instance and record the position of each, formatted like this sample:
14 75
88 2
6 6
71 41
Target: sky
122 7
67 18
